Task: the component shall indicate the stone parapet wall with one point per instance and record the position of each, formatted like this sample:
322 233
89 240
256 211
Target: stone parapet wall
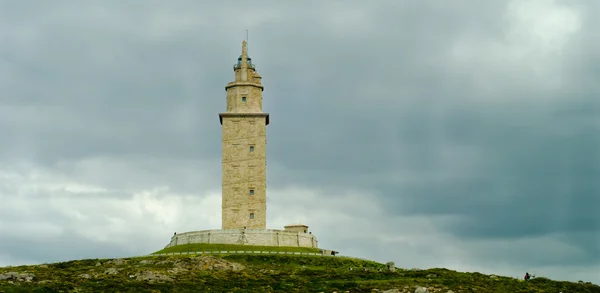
258 237
239 252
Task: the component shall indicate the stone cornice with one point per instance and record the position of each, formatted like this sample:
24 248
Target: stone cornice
232 114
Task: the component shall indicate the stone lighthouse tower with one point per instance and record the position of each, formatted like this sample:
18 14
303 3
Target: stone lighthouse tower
244 141
244 185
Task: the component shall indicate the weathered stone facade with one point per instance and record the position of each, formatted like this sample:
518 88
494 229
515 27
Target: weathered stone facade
244 142
258 237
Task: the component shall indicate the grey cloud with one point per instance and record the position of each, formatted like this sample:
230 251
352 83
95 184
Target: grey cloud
535 165
364 97
61 248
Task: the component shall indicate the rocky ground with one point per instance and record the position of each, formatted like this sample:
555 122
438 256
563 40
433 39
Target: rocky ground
257 273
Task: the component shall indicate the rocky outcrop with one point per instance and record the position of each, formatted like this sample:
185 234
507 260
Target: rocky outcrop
135 270
208 263
15 276
151 277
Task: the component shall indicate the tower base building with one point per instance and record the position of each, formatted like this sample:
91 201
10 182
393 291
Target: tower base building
252 237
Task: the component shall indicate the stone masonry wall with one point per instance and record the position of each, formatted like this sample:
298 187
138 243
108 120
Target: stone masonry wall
244 172
258 237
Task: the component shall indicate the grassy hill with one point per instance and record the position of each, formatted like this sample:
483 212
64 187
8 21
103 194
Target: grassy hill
201 247
258 273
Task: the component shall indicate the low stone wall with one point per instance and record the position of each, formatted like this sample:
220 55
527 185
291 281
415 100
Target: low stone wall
258 237
240 252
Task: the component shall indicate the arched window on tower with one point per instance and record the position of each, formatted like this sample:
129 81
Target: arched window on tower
251 215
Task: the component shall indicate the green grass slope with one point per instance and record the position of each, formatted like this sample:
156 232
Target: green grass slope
230 247
257 273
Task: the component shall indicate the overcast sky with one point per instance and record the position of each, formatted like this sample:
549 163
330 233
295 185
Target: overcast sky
458 134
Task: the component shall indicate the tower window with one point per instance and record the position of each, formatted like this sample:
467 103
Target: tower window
244 99
251 215
251 148
251 191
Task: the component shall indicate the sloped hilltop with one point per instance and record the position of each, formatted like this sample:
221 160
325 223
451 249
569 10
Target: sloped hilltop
258 273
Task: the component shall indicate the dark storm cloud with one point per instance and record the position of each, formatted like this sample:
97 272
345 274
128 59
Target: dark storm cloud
524 165
79 86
